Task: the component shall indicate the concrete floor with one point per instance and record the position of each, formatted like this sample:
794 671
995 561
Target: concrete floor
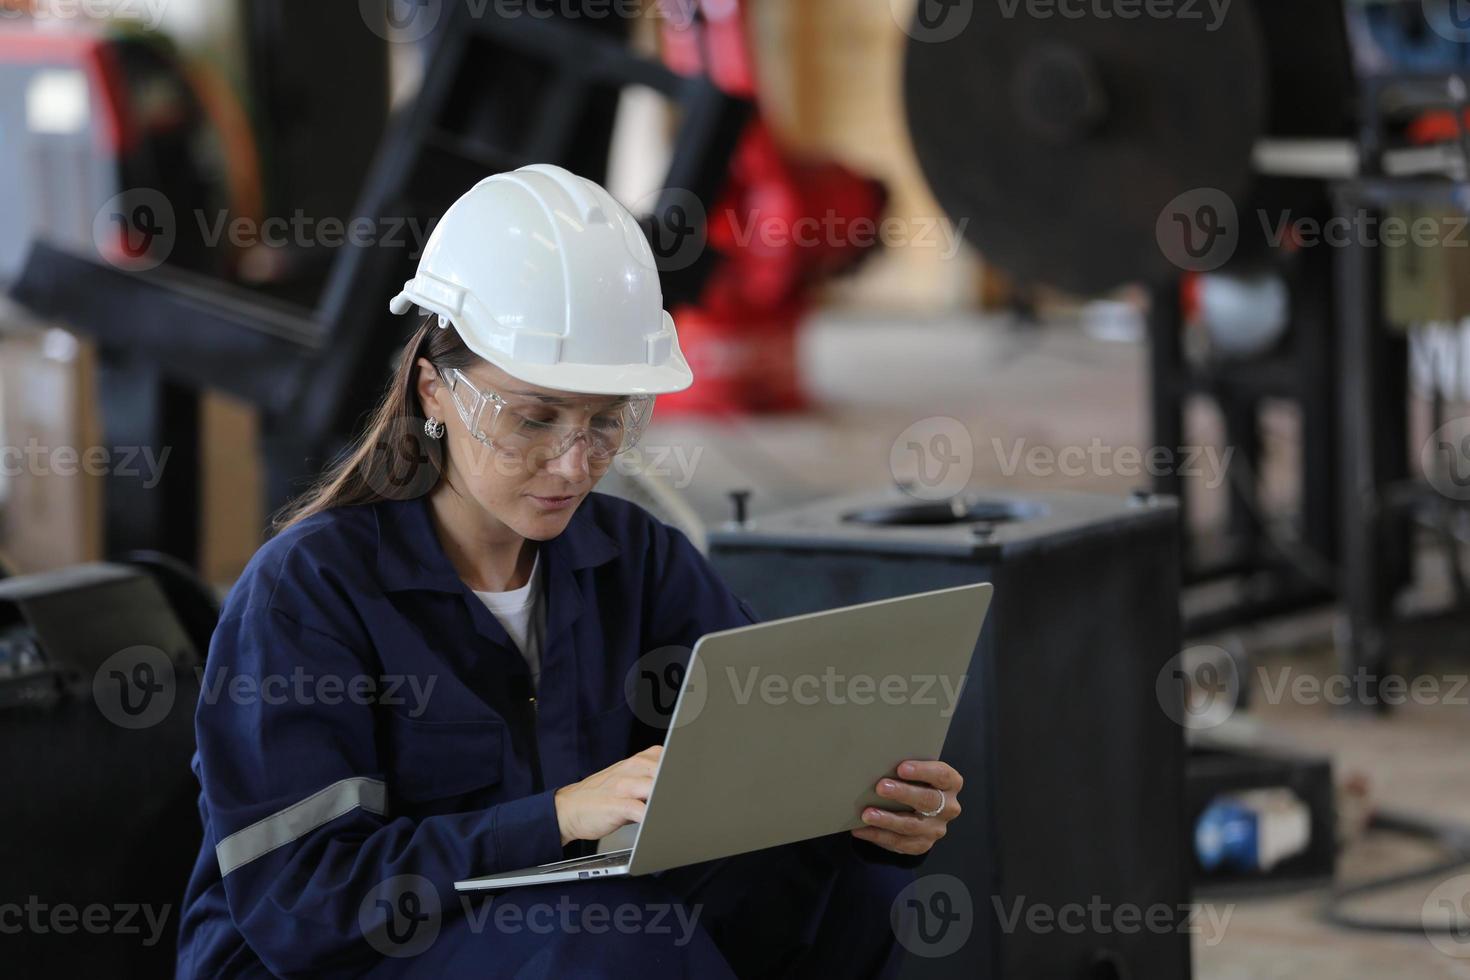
1059 387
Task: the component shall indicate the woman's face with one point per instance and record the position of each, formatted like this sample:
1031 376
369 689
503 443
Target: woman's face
525 487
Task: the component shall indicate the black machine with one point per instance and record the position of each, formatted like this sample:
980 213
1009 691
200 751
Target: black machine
1074 764
98 682
1163 150
1093 129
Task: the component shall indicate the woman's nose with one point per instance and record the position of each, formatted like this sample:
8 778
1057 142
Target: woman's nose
572 465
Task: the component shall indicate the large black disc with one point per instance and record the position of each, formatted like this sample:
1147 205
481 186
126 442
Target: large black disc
1060 140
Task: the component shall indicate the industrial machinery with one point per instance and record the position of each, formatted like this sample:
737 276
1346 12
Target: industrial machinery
1204 156
99 675
1068 740
88 117
309 347
497 94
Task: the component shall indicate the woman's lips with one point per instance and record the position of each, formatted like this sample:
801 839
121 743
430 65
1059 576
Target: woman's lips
555 503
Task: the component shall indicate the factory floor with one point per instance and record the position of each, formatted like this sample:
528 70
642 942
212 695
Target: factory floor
1014 389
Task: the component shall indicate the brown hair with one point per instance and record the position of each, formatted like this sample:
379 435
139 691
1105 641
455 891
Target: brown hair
392 459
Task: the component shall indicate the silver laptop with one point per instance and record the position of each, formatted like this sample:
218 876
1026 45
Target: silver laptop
782 730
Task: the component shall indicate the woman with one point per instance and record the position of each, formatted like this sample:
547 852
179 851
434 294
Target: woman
421 677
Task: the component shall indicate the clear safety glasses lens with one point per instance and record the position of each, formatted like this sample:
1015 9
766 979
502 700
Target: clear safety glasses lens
527 426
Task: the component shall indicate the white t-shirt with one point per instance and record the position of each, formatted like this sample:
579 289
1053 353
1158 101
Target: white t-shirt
523 614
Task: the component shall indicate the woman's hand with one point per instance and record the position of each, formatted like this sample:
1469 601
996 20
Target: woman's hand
606 800
919 786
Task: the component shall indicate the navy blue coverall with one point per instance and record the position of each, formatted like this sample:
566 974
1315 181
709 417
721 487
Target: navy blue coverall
368 735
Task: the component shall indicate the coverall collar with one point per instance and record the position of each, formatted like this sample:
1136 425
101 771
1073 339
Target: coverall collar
410 555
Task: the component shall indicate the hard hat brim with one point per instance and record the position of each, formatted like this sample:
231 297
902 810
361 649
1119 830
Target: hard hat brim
600 379
582 379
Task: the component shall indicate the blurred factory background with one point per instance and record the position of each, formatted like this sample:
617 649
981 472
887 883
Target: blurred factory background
1150 311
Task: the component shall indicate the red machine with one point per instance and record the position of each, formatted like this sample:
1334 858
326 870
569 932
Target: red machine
780 228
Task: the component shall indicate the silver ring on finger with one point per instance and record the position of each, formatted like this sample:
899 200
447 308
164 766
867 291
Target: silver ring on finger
938 809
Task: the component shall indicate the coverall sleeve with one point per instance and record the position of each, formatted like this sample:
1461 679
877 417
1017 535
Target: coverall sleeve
299 811
692 600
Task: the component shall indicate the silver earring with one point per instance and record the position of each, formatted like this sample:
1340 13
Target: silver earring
433 428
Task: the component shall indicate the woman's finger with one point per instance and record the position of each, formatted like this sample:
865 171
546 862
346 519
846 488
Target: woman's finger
919 796
636 766
908 824
940 775
635 787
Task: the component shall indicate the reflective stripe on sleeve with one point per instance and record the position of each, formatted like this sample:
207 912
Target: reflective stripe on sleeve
298 819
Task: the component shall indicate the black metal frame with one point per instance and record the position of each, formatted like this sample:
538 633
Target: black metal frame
1268 581
1379 498
313 373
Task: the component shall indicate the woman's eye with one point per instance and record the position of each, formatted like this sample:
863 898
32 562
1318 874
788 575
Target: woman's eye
607 423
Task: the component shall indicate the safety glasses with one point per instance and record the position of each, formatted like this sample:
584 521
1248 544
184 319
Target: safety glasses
547 427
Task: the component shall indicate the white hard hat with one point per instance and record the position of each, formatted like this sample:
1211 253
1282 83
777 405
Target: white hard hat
545 275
